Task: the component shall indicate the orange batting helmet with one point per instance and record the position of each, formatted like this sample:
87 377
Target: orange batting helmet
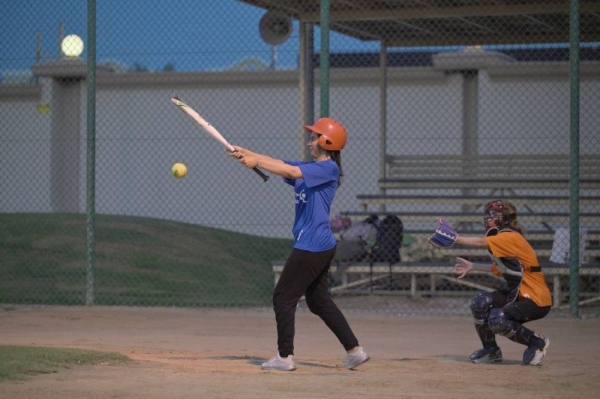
332 134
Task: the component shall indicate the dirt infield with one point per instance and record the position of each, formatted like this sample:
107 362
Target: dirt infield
183 353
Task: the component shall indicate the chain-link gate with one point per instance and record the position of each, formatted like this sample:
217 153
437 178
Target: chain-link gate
448 105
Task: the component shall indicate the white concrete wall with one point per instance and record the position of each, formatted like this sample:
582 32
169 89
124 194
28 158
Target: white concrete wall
24 153
140 134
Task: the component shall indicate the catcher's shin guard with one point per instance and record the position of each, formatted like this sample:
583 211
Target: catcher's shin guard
481 304
480 308
485 334
510 329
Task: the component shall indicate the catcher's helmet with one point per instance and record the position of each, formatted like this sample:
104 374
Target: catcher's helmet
332 133
501 213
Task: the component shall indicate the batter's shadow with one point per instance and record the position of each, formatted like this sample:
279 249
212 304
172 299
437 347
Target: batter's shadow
258 361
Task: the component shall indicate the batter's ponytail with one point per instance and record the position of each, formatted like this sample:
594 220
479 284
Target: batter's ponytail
336 156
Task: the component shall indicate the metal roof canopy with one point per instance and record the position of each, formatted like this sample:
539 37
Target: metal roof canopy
419 23
408 23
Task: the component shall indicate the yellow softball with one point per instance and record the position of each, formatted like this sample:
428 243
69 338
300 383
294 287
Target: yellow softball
178 170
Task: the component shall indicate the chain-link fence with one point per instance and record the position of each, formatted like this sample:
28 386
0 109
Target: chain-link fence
447 105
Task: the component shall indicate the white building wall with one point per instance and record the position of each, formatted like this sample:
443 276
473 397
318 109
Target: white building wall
24 154
140 134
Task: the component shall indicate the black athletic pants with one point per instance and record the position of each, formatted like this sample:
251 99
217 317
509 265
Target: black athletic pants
521 311
517 313
306 273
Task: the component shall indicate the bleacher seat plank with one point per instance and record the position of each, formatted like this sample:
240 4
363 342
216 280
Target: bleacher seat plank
454 218
497 171
590 252
484 183
480 200
531 235
478 165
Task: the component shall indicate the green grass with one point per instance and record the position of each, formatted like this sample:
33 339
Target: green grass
21 362
139 262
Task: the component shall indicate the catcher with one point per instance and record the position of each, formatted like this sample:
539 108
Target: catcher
526 296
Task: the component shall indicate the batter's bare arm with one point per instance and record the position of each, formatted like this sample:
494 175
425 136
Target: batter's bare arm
276 166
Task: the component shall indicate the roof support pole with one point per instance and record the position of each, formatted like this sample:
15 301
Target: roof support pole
307 85
324 61
574 150
382 115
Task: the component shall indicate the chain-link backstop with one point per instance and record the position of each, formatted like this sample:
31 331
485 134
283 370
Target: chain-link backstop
448 104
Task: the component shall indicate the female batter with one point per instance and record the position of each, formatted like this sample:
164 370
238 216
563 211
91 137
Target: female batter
306 270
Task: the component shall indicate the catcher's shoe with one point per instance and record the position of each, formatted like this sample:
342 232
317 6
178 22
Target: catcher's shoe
280 363
537 352
356 358
487 355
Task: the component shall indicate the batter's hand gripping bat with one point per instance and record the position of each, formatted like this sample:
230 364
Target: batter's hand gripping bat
210 129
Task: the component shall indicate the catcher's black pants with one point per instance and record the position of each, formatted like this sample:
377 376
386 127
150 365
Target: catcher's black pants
516 314
306 273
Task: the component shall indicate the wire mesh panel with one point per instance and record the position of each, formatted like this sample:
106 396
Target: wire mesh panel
447 105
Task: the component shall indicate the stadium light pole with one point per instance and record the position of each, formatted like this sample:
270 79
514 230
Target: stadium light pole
91 157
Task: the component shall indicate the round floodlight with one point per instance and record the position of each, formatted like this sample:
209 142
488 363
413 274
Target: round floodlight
275 27
72 46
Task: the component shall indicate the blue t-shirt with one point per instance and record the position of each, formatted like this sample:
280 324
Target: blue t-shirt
314 193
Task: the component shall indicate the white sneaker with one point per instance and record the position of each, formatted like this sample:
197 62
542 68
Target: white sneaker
487 355
534 355
280 363
355 359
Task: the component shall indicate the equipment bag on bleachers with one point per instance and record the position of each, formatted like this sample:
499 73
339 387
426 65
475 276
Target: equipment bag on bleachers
354 241
389 240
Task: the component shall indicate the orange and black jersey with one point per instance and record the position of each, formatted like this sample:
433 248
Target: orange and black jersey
515 260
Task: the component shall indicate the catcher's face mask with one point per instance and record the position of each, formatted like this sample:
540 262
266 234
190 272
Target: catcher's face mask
498 214
493 218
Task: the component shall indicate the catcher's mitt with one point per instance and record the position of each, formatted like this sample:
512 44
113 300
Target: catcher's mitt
444 236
